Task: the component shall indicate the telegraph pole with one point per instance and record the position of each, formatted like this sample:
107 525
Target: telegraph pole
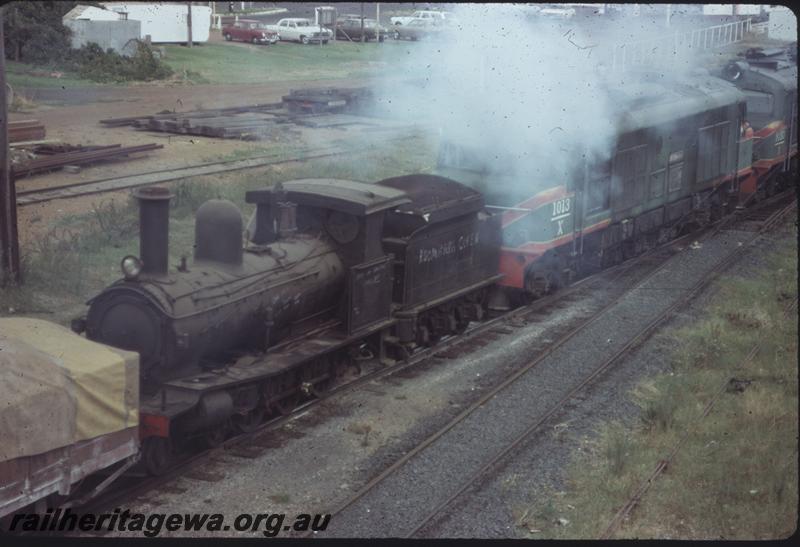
9 242
189 23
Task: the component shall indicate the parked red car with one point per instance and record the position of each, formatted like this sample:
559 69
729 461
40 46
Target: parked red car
250 30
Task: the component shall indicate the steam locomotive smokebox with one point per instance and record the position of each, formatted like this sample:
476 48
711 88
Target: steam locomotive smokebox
218 232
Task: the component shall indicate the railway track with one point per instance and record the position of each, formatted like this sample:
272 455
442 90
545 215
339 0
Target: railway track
115 184
766 214
138 485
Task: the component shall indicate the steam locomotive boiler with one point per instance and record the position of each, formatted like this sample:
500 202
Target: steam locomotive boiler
230 297
329 270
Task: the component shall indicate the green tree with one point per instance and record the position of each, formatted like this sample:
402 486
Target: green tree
34 32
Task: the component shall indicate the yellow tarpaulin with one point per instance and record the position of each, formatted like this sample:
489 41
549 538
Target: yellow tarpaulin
57 388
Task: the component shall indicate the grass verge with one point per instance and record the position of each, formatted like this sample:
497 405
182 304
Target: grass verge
238 63
735 475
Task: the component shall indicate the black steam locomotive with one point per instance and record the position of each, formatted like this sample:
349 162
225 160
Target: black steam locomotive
330 269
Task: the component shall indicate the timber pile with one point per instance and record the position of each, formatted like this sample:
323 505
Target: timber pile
25 130
48 158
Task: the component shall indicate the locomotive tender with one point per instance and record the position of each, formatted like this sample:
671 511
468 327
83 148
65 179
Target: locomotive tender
328 266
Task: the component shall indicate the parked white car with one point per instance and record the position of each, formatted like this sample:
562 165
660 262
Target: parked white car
301 30
435 17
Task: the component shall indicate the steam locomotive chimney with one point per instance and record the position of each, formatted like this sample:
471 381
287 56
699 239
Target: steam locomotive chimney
153 228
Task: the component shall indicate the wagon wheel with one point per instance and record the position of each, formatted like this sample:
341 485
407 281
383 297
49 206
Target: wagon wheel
538 284
215 436
249 421
157 455
286 405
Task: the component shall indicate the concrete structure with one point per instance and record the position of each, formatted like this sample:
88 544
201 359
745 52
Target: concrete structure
103 27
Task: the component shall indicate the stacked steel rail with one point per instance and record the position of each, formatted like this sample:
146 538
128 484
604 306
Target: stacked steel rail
25 130
251 122
93 154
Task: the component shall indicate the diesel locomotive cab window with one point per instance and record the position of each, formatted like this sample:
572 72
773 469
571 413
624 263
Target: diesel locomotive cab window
758 102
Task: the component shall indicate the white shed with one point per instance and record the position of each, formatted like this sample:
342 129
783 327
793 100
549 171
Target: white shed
166 22
90 13
103 27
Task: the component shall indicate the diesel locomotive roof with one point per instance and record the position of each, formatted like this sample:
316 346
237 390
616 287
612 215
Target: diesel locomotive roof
347 196
783 72
649 102
435 198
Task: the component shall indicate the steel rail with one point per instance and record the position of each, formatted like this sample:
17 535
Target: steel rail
625 511
641 336
186 465
510 380
99 186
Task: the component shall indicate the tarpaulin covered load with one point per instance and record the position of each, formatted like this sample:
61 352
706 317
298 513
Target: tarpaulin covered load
57 388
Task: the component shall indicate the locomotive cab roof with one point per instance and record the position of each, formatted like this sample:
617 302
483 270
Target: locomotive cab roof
346 196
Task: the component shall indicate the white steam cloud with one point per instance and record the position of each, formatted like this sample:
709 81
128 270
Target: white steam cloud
522 93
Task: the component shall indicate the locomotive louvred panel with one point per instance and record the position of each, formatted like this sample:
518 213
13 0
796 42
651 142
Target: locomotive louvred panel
714 151
370 293
630 176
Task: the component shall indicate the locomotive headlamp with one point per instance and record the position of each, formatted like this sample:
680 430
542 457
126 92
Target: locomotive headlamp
131 267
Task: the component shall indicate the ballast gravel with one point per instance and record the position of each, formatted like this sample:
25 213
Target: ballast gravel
405 498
